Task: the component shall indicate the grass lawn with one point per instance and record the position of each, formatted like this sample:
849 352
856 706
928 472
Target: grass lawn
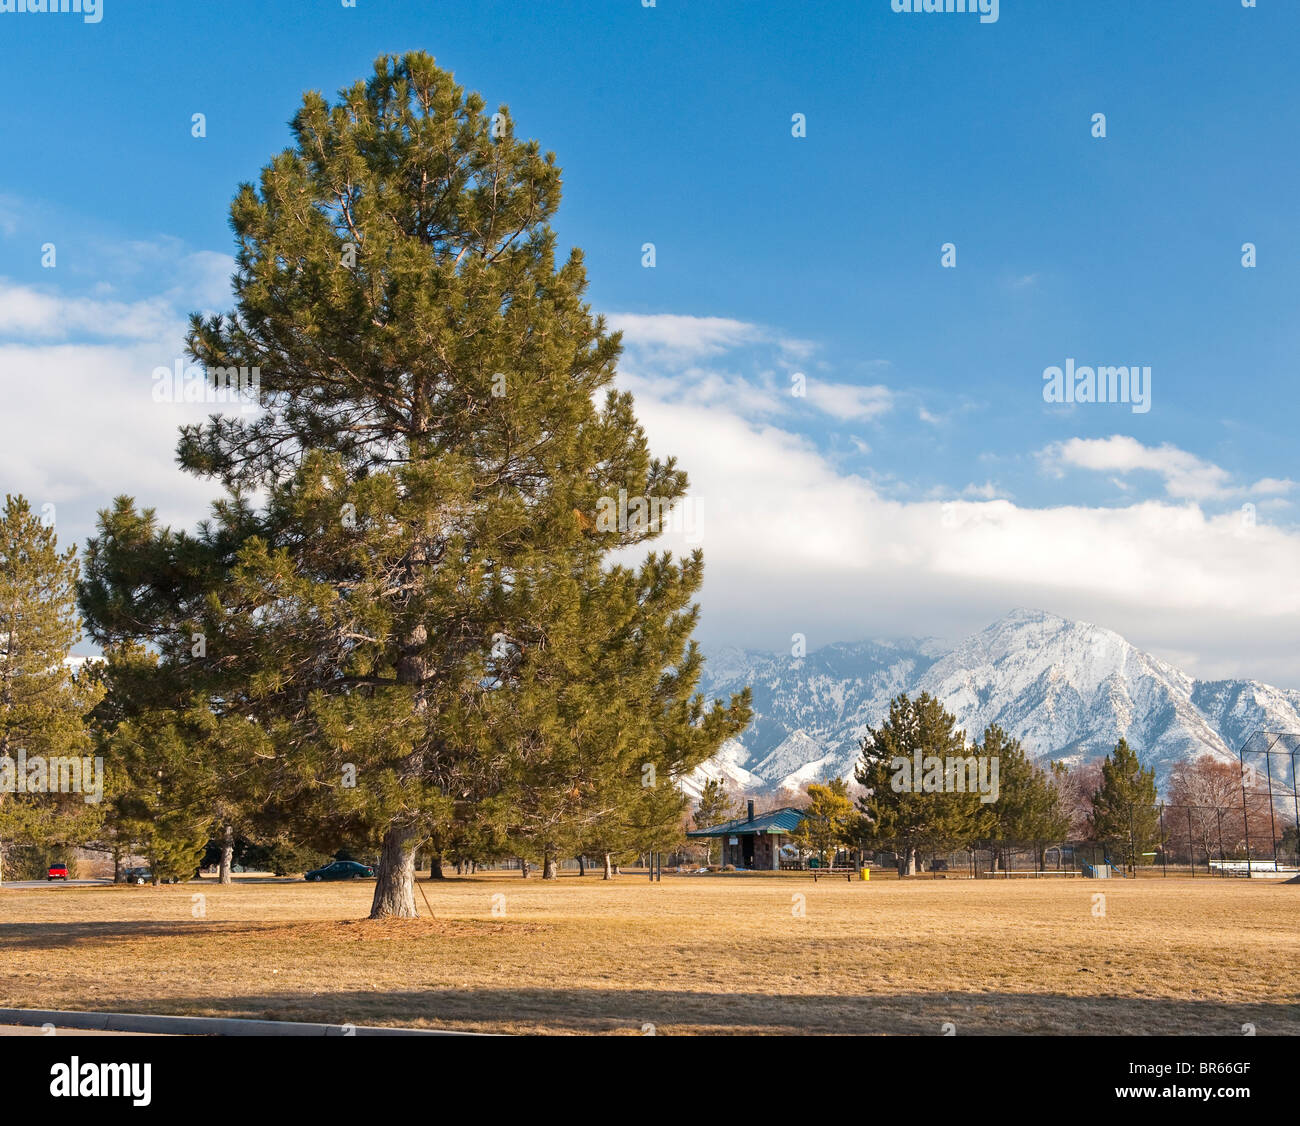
690 954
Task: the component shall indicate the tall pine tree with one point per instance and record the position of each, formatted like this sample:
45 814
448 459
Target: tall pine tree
901 808
1028 809
43 706
1124 812
419 612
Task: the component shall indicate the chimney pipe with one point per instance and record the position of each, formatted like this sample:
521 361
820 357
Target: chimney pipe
751 811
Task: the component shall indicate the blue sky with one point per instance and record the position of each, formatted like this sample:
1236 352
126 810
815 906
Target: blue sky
926 484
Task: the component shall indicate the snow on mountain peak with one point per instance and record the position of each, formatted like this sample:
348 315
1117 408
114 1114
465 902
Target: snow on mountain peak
1068 690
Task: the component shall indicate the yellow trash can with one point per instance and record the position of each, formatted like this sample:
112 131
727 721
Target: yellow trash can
864 873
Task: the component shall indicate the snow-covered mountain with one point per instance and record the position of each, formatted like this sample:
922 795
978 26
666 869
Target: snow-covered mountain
1068 690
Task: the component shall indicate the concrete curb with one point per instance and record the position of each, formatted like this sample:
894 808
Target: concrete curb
202 1026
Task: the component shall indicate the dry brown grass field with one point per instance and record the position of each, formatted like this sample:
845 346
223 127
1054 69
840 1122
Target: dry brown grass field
687 955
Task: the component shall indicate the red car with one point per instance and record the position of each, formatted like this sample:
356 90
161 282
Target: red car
57 872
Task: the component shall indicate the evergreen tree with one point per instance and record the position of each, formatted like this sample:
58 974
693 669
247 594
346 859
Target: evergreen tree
655 821
1028 809
43 705
165 795
609 741
174 762
907 805
611 836
420 613
714 807
1124 807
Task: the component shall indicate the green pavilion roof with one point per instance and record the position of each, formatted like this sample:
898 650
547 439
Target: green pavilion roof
777 821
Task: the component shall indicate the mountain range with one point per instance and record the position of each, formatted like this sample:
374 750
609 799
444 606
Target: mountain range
1068 690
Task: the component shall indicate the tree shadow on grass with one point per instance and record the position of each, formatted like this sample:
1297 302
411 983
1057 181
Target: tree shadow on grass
74 934
629 1011
70 935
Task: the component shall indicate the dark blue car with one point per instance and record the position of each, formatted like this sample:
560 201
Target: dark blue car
342 870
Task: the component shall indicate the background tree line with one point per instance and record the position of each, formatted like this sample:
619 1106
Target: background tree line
1111 802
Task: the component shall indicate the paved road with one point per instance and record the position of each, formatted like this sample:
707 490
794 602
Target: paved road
152 1023
36 1030
56 883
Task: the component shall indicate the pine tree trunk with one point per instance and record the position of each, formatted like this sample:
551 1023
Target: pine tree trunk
395 876
609 867
907 862
524 867
550 866
582 865
435 867
395 883
227 855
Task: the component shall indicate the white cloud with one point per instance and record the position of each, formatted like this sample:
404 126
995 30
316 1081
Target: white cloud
704 387
665 354
775 505
796 350
972 491
1272 486
198 281
683 336
29 313
78 377
91 430
203 280
849 402
1185 475
792 544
